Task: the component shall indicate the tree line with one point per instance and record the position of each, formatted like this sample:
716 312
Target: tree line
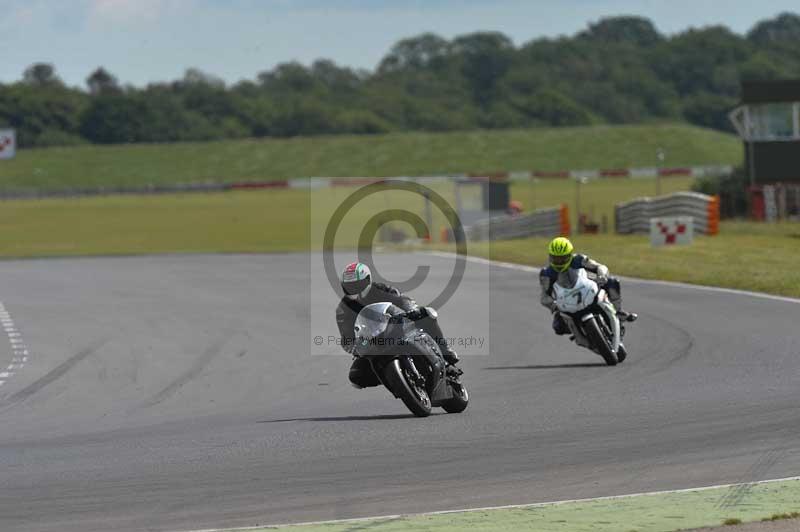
618 70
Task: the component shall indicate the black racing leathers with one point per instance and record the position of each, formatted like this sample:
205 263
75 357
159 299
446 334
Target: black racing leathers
348 309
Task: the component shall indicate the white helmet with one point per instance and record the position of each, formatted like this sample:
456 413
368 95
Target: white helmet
356 279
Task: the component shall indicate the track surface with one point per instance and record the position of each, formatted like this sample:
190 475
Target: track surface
178 393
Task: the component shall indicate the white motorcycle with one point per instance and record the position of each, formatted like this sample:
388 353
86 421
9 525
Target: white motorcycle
590 316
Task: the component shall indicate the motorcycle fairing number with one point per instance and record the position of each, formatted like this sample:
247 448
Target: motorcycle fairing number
577 297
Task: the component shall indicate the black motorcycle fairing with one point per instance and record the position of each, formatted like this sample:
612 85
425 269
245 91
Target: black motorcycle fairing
429 353
385 337
422 357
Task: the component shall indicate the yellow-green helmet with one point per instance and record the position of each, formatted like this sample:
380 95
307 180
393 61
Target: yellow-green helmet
560 251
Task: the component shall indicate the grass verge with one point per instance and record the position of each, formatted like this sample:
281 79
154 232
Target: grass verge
659 512
379 155
745 256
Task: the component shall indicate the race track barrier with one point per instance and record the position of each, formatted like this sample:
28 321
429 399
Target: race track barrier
329 182
542 222
633 217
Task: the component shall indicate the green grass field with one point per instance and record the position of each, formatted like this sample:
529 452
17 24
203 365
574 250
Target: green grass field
399 154
293 220
257 221
219 222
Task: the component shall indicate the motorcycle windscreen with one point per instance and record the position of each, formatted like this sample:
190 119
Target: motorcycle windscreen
372 321
570 278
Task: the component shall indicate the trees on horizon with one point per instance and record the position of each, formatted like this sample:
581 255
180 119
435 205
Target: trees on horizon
618 70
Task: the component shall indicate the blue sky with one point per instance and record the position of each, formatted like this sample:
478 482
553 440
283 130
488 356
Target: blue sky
156 40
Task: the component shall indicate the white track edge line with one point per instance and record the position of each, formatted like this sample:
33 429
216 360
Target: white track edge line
505 507
19 355
533 269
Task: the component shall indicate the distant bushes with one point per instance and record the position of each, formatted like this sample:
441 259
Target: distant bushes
731 189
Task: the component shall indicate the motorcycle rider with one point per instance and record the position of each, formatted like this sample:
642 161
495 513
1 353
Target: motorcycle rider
562 260
360 291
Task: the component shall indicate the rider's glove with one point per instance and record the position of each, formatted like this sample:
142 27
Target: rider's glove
602 274
417 314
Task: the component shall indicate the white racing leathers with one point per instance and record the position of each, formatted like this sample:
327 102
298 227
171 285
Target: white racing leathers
548 277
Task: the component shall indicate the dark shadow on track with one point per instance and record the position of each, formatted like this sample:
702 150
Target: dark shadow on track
552 366
346 418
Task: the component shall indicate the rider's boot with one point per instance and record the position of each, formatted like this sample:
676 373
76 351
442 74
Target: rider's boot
431 325
451 359
454 372
614 295
450 356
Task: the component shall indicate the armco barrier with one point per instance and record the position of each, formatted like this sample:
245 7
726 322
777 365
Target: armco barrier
255 185
326 182
113 191
542 222
634 216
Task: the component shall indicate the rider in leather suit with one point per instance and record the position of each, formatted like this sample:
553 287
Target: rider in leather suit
563 259
360 291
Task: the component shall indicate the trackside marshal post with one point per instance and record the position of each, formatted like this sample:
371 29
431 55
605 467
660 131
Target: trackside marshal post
8 143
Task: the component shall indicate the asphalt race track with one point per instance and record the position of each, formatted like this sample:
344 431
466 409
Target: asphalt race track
178 393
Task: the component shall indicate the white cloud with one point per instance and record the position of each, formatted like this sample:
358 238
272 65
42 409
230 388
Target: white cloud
22 14
102 12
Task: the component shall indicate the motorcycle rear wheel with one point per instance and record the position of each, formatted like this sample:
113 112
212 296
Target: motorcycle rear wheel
397 376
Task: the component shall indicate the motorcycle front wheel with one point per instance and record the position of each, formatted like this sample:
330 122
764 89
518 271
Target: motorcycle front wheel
399 376
599 341
622 353
459 401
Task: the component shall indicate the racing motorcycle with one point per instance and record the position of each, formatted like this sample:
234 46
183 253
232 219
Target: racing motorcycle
590 316
407 361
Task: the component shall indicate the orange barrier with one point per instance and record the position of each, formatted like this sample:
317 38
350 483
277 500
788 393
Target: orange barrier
713 216
564 220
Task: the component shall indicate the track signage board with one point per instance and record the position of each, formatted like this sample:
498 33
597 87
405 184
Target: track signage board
671 230
8 143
